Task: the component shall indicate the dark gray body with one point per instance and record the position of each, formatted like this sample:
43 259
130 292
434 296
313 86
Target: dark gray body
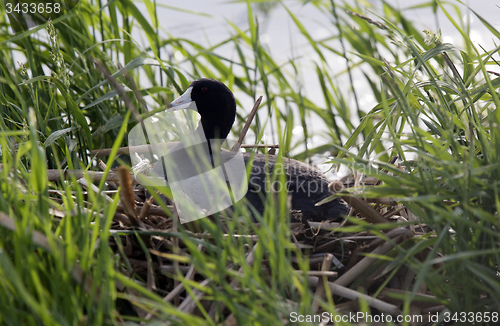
305 184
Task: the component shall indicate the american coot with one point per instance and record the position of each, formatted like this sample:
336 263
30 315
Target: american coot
306 185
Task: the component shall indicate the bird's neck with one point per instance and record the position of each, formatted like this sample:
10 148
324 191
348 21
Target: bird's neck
215 129
213 141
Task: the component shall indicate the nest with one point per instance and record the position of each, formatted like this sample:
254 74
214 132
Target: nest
346 262
146 239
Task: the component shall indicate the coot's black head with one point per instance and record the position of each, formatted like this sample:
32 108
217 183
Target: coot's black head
215 103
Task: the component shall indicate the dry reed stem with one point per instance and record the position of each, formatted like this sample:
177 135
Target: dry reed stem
325 225
244 131
320 290
104 167
365 210
84 182
230 321
189 304
249 260
419 299
345 292
366 262
177 289
145 208
324 232
151 283
96 176
400 231
161 146
318 273
170 269
176 251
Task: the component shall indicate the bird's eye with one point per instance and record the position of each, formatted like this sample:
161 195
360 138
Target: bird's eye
204 89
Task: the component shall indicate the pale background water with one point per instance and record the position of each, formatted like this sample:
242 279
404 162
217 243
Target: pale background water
279 34
281 38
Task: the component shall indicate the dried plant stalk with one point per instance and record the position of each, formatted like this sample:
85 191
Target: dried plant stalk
237 146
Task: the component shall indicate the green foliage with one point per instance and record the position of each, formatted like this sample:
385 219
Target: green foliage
439 116
437 112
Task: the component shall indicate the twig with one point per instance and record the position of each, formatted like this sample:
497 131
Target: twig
145 208
249 260
366 210
421 300
319 273
161 146
261 146
237 146
176 250
401 231
189 304
177 289
103 166
354 295
320 290
53 175
84 182
366 262
230 321
151 283
134 149
297 244
170 269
